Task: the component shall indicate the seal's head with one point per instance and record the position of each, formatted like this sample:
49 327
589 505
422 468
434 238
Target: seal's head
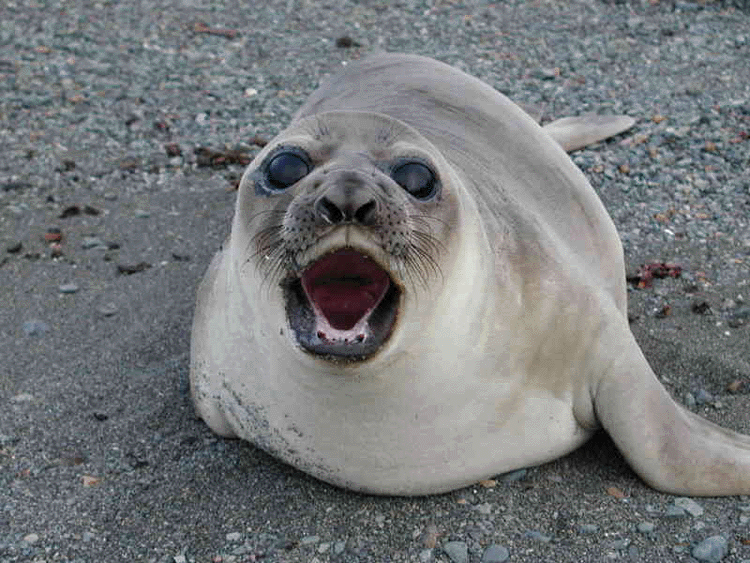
350 211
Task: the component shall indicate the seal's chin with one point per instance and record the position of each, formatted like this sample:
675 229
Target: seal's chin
342 305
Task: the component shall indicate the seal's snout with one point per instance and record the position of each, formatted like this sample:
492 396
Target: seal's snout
348 200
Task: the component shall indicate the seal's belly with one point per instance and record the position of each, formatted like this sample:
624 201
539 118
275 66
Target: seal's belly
407 447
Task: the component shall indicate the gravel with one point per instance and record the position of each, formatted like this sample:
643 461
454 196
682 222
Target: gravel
112 115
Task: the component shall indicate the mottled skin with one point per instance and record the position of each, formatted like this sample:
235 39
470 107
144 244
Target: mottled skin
511 344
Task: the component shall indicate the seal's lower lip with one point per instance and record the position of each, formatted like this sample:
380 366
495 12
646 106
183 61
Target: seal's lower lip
344 304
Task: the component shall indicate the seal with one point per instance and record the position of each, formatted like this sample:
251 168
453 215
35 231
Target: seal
421 290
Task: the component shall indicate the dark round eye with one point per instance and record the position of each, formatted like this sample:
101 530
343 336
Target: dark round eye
286 169
415 178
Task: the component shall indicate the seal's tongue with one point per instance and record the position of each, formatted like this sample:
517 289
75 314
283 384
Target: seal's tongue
344 287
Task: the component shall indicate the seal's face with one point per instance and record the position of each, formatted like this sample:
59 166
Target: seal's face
351 215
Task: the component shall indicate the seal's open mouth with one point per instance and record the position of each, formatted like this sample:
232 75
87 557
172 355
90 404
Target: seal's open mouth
344 304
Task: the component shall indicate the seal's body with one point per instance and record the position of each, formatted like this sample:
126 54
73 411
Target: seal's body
421 290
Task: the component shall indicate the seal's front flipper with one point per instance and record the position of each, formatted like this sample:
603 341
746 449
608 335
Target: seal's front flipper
672 449
573 133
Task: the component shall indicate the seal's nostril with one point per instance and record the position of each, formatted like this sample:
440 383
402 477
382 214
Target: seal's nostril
366 213
329 211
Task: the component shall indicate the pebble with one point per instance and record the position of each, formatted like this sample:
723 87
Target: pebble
31 539
234 536
108 309
537 535
93 242
495 554
711 550
673 511
309 540
513 476
457 551
588 529
22 398
338 547
35 327
689 506
68 288
425 555
646 527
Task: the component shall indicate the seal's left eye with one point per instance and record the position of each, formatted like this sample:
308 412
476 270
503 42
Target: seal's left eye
286 169
415 178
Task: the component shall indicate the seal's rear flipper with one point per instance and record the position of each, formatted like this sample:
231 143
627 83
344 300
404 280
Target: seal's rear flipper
672 449
573 133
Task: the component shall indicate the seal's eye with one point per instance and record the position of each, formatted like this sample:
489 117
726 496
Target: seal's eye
415 178
286 169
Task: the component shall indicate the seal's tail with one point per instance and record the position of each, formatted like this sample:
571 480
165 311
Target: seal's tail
573 133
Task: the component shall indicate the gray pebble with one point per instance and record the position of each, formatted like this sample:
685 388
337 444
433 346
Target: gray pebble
711 550
646 527
495 554
31 539
425 556
517 475
68 288
234 536
339 547
6 440
457 551
673 511
690 506
108 309
35 327
537 535
621 544
588 529
309 540
93 242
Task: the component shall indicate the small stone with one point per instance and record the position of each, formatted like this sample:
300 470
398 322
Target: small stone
31 539
690 506
495 554
309 540
35 327
537 535
93 242
711 550
646 527
6 440
323 547
588 529
68 288
702 397
673 511
425 556
22 398
142 214
513 476
339 547
234 536
457 551
107 310
14 247
179 559
484 508
88 537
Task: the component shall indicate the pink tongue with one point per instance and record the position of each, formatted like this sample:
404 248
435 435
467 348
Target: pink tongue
345 286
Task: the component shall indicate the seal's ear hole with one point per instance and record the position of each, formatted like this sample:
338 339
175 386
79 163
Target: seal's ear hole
416 178
286 169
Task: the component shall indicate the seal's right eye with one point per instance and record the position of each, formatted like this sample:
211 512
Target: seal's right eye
286 169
